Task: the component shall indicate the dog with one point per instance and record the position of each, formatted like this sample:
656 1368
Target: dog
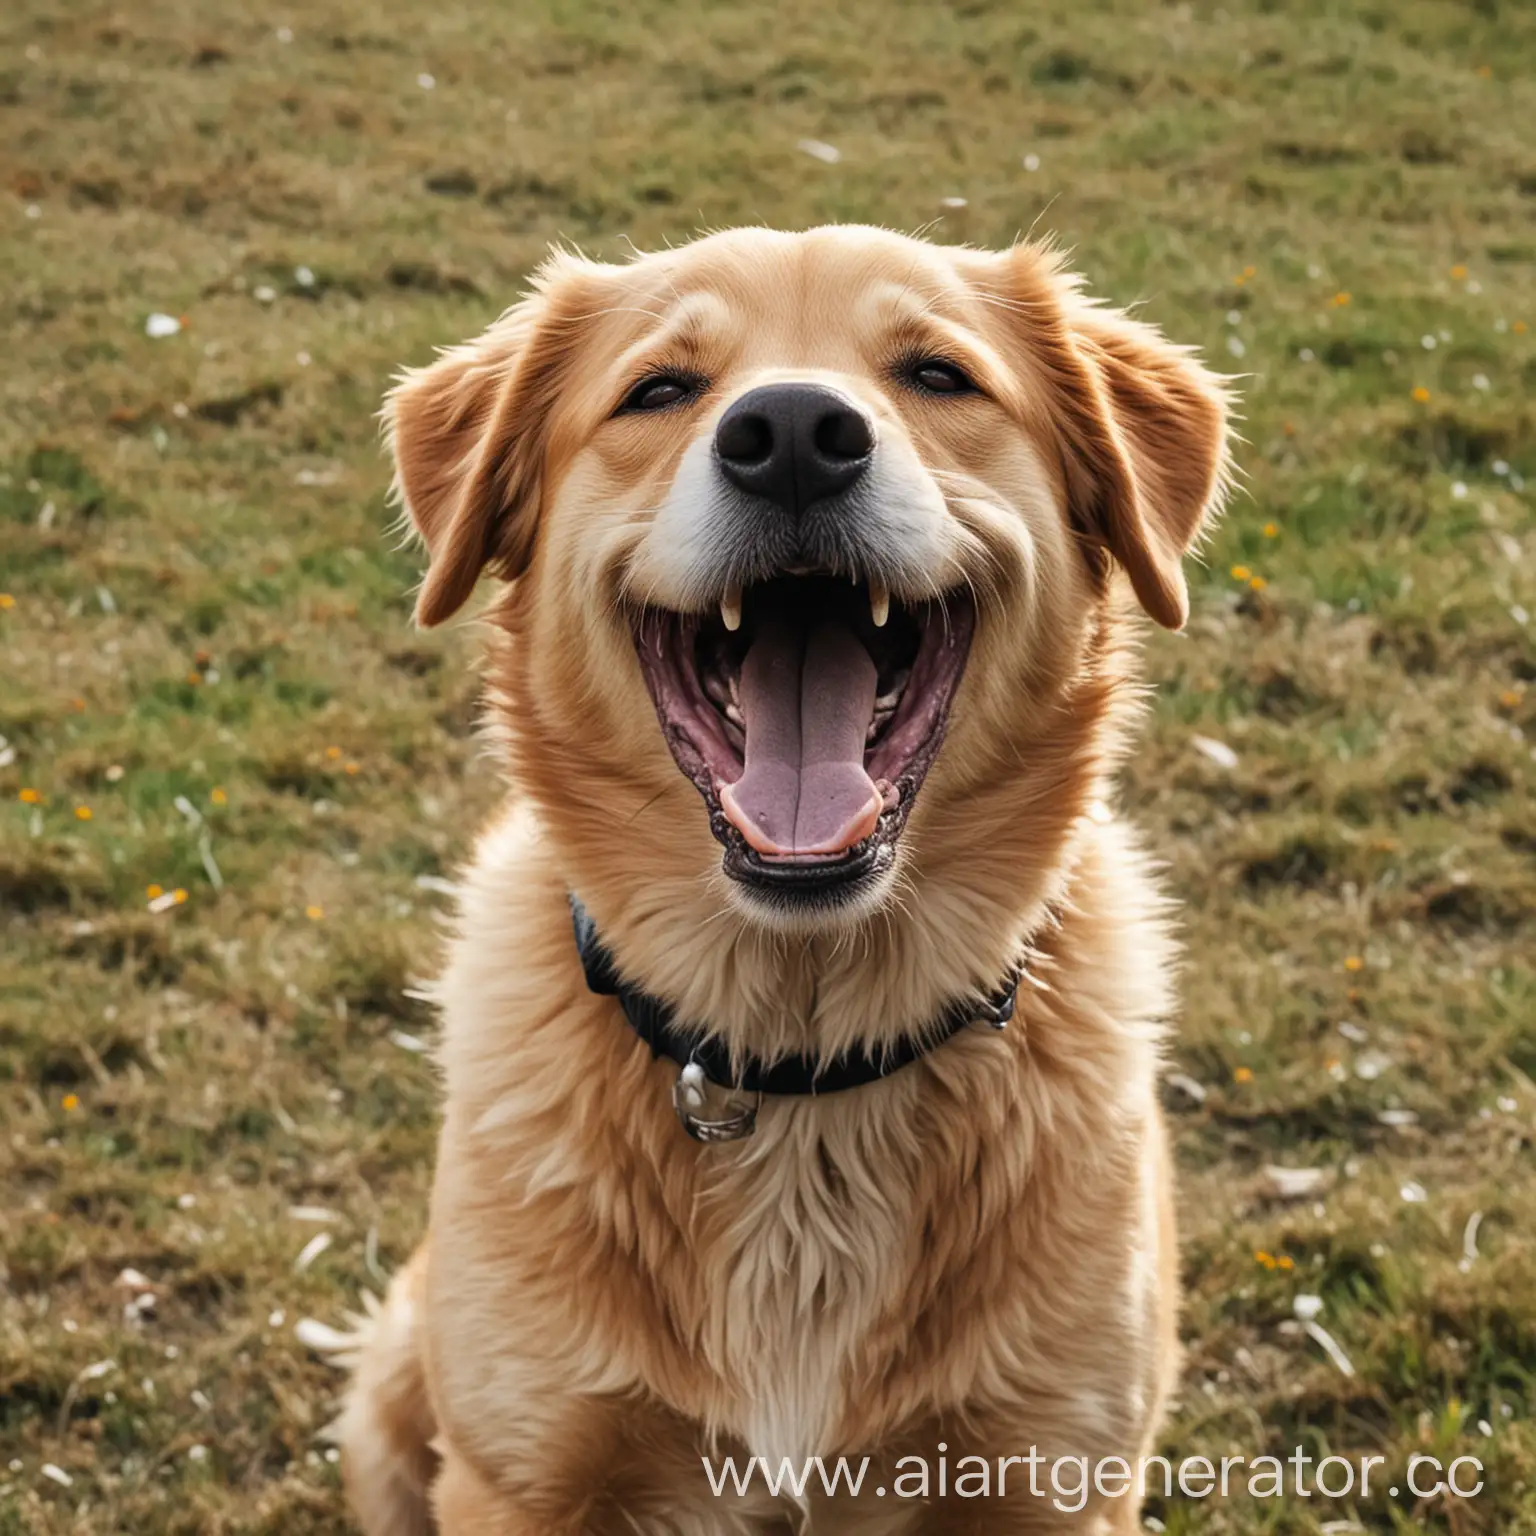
801 1023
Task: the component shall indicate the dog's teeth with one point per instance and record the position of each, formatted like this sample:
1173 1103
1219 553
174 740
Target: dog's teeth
879 603
734 715
730 607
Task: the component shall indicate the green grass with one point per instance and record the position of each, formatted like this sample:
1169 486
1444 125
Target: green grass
209 612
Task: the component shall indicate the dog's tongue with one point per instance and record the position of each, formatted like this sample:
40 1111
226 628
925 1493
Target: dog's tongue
807 697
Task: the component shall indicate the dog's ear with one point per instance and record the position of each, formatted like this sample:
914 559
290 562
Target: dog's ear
468 437
1142 429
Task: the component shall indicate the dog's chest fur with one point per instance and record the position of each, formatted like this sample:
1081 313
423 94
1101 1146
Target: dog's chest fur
808 1264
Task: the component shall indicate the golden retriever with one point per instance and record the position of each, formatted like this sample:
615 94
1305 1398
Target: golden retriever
810 670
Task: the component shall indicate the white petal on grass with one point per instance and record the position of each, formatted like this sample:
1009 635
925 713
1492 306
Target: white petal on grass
828 154
1187 1085
1298 1183
1519 615
1217 751
1031 162
1330 1346
1469 1241
312 1213
437 885
158 326
1413 1193
187 809
407 1042
426 82
105 600
132 1280
1306 1306
1398 1119
163 902
1459 490
304 277
312 1250
953 202
57 1475
1236 347
210 864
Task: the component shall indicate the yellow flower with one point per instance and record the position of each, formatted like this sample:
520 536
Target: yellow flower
217 795
1258 583
180 895
1520 327
31 797
1250 271
1241 573
6 600
1271 531
1420 394
314 913
1353 963
1485 71
82 813
1340 300
1458 271
333 753
1239 280
154 892
354 768
194 678
1243 1075
1260 1257
70 1101
1285 1261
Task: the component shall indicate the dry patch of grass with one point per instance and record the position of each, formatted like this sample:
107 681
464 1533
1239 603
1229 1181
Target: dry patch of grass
209 685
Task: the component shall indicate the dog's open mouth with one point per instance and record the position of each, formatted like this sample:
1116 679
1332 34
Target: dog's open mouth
807 711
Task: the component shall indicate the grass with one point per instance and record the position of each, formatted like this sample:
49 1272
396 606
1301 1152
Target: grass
206 647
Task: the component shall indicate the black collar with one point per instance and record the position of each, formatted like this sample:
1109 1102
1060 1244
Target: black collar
655 1022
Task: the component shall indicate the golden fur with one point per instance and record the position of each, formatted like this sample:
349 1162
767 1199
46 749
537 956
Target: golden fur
978 1250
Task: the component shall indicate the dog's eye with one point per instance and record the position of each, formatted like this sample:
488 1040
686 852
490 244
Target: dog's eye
658 392
935 377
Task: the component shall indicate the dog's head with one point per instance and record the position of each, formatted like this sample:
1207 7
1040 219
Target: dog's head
823 524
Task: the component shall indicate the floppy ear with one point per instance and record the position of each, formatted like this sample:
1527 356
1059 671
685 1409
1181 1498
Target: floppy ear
467 434
1142 427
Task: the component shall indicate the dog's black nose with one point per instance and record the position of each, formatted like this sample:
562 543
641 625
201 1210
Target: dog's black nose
793 444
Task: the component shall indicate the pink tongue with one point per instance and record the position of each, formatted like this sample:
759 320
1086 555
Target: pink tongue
807 697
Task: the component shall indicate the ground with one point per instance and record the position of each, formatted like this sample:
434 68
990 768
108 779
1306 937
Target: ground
234 780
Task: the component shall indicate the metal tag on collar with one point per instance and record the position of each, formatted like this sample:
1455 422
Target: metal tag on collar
709 1112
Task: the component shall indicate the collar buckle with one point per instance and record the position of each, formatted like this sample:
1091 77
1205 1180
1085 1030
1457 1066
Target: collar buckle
710 1112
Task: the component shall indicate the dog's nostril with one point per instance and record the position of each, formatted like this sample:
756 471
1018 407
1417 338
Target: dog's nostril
844 435
744 439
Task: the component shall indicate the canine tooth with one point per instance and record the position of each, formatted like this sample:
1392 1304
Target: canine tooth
730 607
879 603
